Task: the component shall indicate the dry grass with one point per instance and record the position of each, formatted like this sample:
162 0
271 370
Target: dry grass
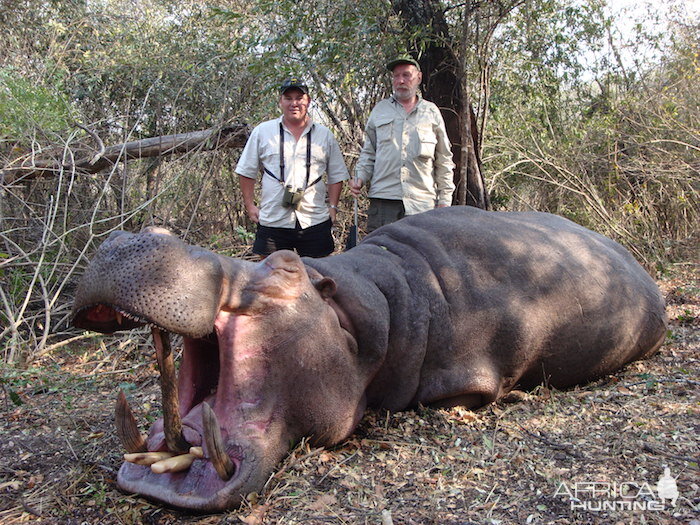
499 465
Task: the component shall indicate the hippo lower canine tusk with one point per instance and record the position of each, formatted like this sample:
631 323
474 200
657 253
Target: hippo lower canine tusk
127 430
172 423
215 444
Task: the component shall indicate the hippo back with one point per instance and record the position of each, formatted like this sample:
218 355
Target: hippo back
486 301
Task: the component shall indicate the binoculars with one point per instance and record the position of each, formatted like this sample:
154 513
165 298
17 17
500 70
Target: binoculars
292 197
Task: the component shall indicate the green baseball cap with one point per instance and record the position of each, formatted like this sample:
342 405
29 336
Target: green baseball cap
402 60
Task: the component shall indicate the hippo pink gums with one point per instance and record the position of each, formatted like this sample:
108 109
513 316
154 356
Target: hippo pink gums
456 306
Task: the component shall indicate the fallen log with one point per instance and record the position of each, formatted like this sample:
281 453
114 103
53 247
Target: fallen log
33 166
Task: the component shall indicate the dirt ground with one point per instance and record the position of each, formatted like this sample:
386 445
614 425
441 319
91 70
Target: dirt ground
514 462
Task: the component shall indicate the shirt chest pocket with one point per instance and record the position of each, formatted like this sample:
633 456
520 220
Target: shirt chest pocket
384 130
270 158
426 142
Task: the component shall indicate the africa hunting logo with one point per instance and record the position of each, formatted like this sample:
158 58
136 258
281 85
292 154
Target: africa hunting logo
599 496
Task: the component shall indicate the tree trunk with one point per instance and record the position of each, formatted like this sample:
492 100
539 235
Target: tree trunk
442 85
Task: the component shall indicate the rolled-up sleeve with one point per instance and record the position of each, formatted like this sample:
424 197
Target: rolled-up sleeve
443 168
365 164
336 170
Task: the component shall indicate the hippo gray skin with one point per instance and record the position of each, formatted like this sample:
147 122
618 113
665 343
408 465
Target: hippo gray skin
456 306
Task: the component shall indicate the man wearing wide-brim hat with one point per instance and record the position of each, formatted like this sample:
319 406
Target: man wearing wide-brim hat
406 159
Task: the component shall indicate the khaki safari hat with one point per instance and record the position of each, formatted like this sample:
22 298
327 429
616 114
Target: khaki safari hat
402 60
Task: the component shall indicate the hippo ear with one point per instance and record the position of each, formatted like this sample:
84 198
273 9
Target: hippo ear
326 287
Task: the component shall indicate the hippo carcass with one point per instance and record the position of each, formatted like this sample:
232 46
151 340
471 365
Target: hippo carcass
453 306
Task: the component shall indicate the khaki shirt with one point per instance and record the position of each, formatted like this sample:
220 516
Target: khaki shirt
407 156
262 152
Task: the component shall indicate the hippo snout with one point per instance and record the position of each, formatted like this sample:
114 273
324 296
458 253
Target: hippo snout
149 278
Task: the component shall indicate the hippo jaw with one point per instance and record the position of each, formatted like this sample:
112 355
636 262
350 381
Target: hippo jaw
249 369
252 436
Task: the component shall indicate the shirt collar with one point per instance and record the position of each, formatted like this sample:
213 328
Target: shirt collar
309 126
396 101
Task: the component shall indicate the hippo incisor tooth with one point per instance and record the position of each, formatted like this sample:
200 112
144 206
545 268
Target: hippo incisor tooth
215 444
173 464
147 458
172 424
127 430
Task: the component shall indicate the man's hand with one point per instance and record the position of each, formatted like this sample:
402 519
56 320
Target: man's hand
355 186
253 212
248 190
332 211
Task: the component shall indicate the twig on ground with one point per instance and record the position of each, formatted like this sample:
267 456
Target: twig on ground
31 510
567 449
336 466
648 448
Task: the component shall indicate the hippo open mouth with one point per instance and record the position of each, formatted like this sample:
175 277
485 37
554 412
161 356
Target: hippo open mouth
189 459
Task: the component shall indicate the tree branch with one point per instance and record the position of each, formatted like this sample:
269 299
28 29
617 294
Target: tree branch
233 136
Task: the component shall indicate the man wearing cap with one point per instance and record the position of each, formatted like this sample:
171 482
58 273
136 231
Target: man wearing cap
406 159
292 154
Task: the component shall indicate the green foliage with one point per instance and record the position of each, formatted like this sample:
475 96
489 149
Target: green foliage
338 46
135 54
245 235
26 107
610 149
14 381
687 317
539 64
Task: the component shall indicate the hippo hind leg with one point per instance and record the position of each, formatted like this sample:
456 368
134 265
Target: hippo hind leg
453 386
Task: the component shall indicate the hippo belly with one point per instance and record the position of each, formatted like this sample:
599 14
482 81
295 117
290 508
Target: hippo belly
456 306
